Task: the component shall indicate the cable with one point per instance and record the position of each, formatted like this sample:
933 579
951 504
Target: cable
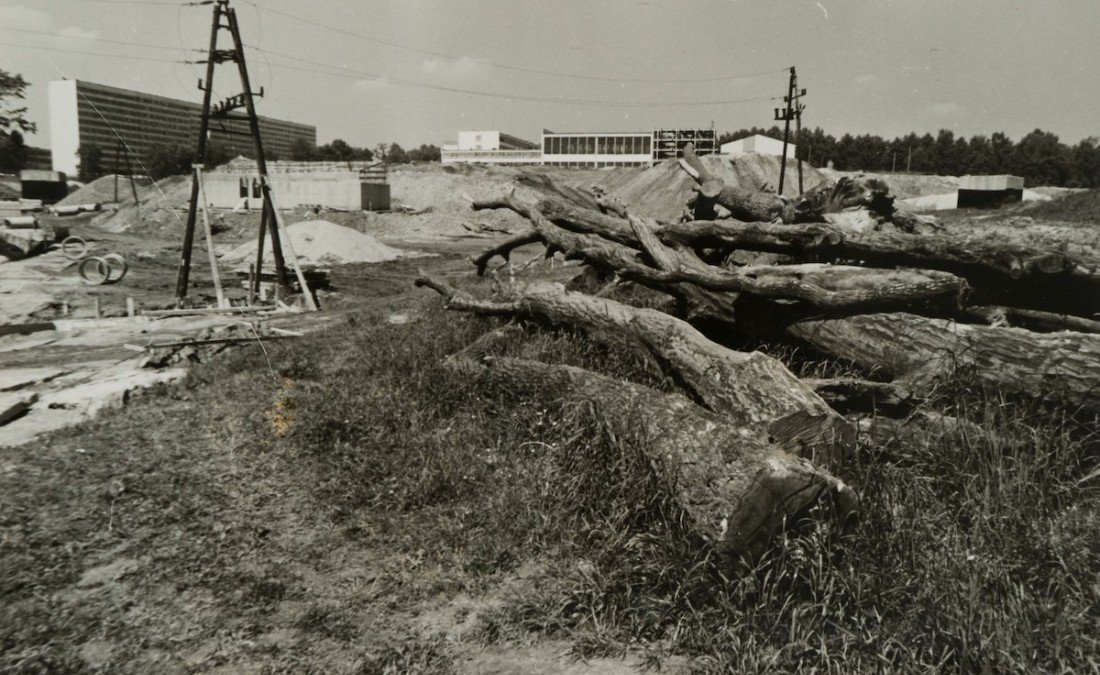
93 39
78 51
357 74
504 66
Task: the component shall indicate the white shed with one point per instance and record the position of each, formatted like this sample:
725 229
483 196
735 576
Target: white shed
759 145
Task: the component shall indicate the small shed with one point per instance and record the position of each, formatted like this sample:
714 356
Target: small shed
989 192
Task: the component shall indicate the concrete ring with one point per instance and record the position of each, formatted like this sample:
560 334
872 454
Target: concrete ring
115 262
96 276
68 250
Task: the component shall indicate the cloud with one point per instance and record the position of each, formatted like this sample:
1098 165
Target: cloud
945 110
28 18
451 68
78 32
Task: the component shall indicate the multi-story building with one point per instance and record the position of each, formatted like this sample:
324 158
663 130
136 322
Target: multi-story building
489 147
85 113
578 149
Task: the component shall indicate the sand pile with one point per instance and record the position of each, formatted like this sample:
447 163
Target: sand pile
102 190
660 191
319 242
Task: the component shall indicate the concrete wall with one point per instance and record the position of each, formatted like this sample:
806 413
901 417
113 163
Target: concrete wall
760 145
64 126
336 189
1003 182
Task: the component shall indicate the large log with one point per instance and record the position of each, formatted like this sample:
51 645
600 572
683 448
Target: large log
735 489
921 353
709 291
1000 273
831 288
751 390
742 203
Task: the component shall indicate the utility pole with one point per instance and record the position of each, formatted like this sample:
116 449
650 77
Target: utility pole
793 111
270 220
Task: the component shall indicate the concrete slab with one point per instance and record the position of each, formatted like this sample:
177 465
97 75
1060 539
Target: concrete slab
18 378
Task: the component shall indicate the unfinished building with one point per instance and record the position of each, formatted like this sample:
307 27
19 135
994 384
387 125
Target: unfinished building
350 186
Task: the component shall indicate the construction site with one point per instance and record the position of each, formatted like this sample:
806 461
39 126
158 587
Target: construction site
610 402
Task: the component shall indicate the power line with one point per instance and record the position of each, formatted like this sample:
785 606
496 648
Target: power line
505 66
357 75
79 51
349 73
94 39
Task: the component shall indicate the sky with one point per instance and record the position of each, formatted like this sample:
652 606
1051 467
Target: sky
406 71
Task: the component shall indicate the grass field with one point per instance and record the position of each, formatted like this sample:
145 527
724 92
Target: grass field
342 503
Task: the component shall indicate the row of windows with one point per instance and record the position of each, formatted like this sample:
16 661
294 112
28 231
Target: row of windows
596 145
594 165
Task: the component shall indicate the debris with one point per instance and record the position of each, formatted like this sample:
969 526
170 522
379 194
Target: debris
13 406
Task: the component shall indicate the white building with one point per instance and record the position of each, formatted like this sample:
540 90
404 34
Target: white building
490 147
759 145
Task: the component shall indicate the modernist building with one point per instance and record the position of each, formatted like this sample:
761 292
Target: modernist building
490 147
757 144
638 148
578 149
84 113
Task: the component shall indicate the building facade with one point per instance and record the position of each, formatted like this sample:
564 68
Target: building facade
578 149
757 144
597 150
85 113
490 147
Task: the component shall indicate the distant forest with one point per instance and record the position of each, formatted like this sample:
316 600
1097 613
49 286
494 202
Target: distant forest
1039 156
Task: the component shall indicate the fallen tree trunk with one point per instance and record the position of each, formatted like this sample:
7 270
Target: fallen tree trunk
735 489
999 273
921 353
743 204
751 390
832 290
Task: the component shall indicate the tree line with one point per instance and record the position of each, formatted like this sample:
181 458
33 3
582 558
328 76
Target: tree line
176 159
1039 157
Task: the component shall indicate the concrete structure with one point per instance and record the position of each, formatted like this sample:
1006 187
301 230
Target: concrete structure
757 144
48 186
352 186
84 113
489 147
989 192
597 150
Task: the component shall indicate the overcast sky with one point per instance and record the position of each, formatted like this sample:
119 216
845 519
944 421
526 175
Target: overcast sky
871 66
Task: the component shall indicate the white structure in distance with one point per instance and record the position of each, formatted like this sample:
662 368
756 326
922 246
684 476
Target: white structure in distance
490 147
757 144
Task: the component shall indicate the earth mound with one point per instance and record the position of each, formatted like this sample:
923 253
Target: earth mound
320 242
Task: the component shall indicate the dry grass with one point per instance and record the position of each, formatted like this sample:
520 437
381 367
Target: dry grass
399 487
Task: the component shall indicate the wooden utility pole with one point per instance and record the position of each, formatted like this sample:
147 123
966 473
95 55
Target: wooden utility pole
793 111
270 222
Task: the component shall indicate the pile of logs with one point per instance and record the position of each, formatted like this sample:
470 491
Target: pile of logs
746 446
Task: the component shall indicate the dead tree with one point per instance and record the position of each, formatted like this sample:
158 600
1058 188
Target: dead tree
751 390
734 487
921 353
